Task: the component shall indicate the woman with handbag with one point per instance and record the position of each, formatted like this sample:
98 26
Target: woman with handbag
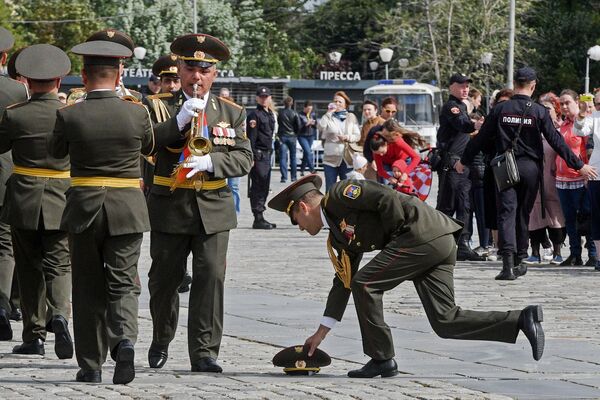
572 191
338 128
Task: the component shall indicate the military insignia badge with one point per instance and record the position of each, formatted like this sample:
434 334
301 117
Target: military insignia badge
199 54
455 110
200 39
347 230
223 124
352 191
110 34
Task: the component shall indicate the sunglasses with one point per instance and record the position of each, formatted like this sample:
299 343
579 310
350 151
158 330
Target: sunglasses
390 111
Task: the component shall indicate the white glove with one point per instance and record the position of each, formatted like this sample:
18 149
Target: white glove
188 110
198 164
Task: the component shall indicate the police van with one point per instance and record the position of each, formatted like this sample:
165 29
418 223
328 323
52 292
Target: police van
419 104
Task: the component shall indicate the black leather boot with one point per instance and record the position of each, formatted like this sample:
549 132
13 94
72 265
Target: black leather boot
261 223
465 253
507 274
520 268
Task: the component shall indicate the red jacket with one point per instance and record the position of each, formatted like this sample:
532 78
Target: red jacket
577 145
398 152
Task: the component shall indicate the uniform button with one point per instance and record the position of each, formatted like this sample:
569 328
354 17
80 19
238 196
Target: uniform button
372 247
103 187
358 244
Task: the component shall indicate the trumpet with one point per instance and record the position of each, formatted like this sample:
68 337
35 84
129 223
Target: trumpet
198 145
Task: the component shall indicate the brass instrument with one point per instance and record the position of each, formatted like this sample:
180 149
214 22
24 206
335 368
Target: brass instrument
198 145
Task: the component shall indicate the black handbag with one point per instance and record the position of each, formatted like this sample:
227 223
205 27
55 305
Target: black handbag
504 166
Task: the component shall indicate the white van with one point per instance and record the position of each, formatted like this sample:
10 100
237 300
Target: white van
419 104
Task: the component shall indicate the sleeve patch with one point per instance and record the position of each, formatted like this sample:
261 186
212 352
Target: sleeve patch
455 110
252 123
352 191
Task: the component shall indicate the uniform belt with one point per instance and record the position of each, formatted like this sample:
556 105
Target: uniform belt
206 185
105 181
41 172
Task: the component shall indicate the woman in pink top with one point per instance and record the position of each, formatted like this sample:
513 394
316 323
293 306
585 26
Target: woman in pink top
393 152
571 186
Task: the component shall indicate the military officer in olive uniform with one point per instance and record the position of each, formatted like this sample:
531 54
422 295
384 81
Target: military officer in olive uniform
115 36
416 243
41 249
161 109
11 92
195 217
105 213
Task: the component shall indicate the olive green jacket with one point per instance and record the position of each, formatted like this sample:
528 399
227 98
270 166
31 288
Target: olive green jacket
364 216
187 211
24 129
104 135
11 92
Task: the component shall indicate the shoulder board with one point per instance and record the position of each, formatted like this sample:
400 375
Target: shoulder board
16 105
159 96
132 101
229 102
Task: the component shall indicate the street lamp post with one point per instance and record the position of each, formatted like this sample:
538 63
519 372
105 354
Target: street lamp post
403 63
373 65
486 61
335 57
594 54
386 56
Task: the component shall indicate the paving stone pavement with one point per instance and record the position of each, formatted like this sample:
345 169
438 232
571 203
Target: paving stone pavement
277 282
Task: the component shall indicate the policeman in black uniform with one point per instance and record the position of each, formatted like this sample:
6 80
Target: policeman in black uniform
260 127
515 203
452 138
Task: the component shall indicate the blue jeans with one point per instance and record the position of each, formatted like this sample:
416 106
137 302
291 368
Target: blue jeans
332 173
234 185
287 143
307 154
572 200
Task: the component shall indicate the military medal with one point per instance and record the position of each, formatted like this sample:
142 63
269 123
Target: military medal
347 230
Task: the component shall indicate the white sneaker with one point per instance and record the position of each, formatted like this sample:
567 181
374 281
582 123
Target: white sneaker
547 254
492 254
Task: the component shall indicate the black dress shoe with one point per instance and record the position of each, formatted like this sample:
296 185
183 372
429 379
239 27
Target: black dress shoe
467 254
157 356
263 224
34 347
63 344
185 284
529 323
520 270
5 329
88 376
375 368
15 314
207 364
124 355
572 261
591 262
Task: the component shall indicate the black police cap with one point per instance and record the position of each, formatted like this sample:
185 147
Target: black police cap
7 40
101 52
43 62
112 35
165 65
525 74
295 360
10 65
263 91
200 50
460 78
284 200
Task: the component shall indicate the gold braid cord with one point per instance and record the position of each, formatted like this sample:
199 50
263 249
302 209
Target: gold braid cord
343 267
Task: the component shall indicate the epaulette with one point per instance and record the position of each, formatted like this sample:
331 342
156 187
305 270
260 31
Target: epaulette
16 105
75 90
159 96
229 102
136 94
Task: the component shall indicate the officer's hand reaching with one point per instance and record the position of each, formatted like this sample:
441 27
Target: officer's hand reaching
459 167
188 110
315 340
588 172
198 164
